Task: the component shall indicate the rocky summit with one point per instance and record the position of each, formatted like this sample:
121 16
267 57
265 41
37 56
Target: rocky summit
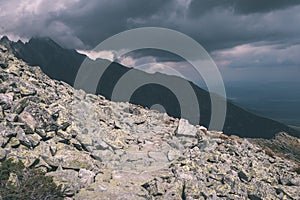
97 149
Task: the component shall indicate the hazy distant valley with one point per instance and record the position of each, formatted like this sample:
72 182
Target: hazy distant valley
277 100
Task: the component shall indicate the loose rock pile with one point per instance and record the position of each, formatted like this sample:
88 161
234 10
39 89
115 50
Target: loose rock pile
98 149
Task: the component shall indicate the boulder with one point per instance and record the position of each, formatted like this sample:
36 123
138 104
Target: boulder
185 129
28 120
86 177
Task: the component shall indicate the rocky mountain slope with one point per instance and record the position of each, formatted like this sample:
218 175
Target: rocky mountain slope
98 149
63 64
282 144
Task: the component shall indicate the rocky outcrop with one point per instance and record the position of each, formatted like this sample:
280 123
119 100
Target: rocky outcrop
282 145
98 149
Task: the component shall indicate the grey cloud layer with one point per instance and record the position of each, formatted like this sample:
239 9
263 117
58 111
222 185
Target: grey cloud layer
240 6
215 24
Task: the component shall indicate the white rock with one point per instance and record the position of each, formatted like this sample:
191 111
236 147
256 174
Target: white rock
86 176
185 129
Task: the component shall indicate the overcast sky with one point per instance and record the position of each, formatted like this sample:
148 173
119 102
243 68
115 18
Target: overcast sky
249 40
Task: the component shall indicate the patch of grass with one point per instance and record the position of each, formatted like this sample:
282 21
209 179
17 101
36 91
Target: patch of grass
18 182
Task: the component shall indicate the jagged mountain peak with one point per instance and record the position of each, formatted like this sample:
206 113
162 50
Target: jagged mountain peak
4 38
47 41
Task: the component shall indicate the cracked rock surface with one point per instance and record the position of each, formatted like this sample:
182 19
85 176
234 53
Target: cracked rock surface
98 149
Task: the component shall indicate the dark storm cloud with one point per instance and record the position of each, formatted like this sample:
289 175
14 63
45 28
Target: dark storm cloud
256 6
95 21
73 24
215 24
240 6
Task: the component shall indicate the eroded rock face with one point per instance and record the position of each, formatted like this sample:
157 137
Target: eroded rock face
98 149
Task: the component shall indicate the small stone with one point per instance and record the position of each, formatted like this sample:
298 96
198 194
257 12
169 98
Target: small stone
14 70
85 140
24 140
26 91
243 176
65 125
13 179
104 176
11 117
1 113
295 181
100 144
222 189
64 135
41 132
117 125
28 120
254 197
7 132
228 179
14 142
86 176
2 48
2 154
50 134
272 160
76 144
213 159
3 65
73 132
34 139
19 107
132 110
139 121
53 149
6 100
173 154
203 129
208 146
3 141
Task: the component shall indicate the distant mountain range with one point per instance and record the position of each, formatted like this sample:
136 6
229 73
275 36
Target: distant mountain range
63 64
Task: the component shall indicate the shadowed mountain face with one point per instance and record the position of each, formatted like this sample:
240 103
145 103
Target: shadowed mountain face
56 62
63 64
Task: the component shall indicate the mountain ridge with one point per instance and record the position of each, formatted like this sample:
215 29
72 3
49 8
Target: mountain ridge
63 64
